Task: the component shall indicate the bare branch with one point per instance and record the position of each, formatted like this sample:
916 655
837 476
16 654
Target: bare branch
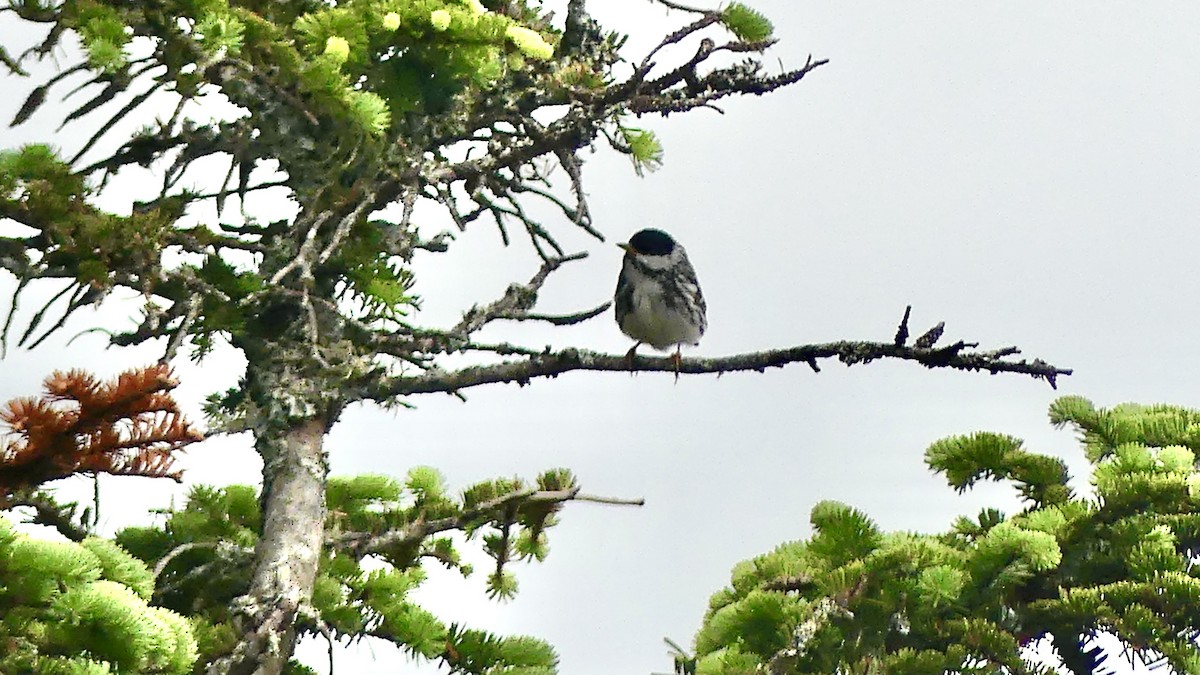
902 330
598 499
583 215
930 337
303 256
84 295
958 356
221 194
504 349
161 565
717 85
708 19
559 319
117 117
228 555
347 222
664 95
517 299
181 332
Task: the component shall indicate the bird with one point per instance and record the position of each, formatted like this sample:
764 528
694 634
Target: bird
658 299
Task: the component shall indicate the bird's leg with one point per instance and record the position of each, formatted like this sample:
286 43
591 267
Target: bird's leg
630 355
677 359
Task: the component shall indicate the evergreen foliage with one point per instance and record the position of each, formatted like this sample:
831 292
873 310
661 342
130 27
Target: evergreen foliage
1065 568
746 22
70 607
363 113
128 426
380 532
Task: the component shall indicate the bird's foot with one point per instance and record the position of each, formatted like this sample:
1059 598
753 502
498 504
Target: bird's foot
677 360
630 356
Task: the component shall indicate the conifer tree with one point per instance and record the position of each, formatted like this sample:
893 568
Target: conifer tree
979 597
462 107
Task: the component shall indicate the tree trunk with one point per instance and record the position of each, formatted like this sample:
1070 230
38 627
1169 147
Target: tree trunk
293 505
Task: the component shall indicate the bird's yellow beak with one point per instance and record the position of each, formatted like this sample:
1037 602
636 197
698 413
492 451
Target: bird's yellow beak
626 247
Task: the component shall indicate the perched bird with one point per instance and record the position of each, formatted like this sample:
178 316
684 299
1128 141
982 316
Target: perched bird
658 300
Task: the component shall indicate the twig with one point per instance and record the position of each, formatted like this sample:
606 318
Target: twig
221 194
930 337
597 499
559 319
85 294
161 565
517 299
120 114
902 330
309 612
180 334
227 553
503 349
346 224
302 256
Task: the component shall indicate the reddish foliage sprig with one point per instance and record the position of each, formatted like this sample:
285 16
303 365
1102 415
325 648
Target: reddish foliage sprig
128 426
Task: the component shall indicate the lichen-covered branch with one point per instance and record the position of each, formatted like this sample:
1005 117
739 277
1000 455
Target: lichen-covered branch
959 355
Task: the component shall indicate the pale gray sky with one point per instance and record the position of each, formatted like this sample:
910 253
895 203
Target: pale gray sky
1026 171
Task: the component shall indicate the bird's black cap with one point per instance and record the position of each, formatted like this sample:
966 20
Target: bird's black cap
652 242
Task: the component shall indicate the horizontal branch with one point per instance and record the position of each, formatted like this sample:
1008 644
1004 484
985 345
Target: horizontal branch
957 356
362 543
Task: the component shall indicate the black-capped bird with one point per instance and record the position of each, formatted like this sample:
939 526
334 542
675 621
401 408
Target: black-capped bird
658 300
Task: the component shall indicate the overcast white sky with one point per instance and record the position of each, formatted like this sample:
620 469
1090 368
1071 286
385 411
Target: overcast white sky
1026 171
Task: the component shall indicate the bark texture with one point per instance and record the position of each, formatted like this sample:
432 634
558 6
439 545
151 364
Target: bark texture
288 553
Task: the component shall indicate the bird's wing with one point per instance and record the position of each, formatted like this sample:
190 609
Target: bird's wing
623 298
690 286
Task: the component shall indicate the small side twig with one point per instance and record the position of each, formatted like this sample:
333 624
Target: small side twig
519 298
559 319
902 330
161 565
930 337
